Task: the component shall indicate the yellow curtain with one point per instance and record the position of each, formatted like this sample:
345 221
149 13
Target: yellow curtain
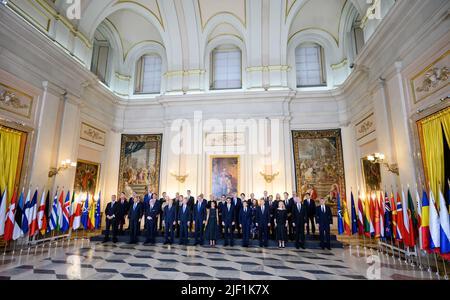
9 159
434 148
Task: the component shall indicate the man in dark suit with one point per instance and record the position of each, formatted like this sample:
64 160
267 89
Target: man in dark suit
199 219
311 213
161 204
228 222
190 204
177 203
151 218
184 220
220 207
237 205
263 223
289 205
122 212
169 221
111 213
245 221
134 217
272 206
324 219
298 222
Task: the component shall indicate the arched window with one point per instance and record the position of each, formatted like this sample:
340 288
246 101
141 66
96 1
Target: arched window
310 65
226 68
100 58
148 74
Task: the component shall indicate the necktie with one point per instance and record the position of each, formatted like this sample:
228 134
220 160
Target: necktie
262 209
298 206
134 206
184 209
245 210
323 209
199 206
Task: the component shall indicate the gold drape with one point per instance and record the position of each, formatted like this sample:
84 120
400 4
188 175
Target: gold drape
10 141
433 140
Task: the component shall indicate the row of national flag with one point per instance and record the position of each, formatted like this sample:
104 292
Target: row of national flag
27 216
423 222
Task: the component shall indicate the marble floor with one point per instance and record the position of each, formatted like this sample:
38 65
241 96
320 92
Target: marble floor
83 259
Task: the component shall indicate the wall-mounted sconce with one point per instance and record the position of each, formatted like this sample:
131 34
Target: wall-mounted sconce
180 178
378 158
65 164
269 178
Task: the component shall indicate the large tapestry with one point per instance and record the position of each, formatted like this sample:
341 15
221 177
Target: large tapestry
224 175
86 177
319 163
140 160
372 175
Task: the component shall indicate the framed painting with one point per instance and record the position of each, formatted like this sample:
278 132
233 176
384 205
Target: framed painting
140 161
319 164
372 175
86 177
225 172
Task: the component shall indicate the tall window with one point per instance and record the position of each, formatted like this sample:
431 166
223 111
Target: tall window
100 57
309 61
226 68
148 74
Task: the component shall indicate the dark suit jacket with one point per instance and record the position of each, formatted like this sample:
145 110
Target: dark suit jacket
245 218
200 216
299 217
170 214
228 216
263 218
122 210
152 212
135 214
184 217
310 208
324 219
112 210
191 202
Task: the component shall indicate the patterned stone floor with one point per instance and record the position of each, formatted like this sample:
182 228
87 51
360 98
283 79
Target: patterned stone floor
83 259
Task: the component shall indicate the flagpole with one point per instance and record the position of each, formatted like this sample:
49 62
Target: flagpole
437 266
445 269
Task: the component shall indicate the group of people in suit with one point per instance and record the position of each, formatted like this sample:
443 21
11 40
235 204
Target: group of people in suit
226 218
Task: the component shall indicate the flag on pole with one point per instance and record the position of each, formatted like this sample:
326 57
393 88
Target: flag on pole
53 224
367 217
48 211
91 220
372 216
435 235
425 229
41 214
419 218
26 213
72 210
3 213
60 205
406 228
445 227
340 220
354 216
377 218
387 216
10 221
65 213
412 220
77 216
85 214
381 212
347 227
98 219
33 215
360 215
399 219
17 233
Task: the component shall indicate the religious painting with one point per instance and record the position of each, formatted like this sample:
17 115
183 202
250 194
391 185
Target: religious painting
140 161
319 164
372 175
225 175
86 177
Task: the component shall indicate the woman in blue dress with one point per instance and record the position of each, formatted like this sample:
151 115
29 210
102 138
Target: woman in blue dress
212 224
